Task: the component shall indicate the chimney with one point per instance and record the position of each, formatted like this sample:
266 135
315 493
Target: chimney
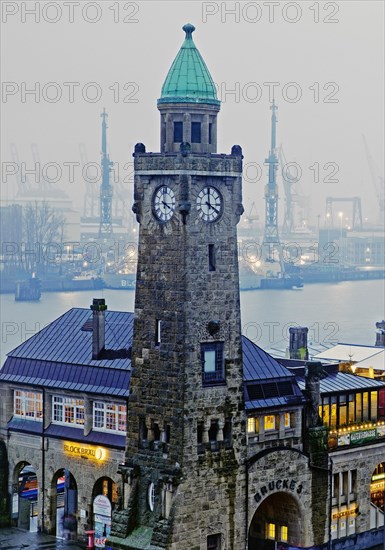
298 343
98 326
380 334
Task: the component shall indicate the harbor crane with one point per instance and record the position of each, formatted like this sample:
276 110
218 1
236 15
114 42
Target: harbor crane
23 184
295 200
105 227
91 197
378 182
271 235
357 213
271 241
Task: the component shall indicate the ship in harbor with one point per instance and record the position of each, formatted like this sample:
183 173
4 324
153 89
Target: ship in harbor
28 290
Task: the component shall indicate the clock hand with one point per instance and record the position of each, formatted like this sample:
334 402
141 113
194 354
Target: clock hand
165 204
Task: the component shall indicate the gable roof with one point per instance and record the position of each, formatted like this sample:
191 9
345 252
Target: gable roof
60 356
64 341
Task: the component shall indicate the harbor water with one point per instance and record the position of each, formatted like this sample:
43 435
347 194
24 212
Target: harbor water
343 312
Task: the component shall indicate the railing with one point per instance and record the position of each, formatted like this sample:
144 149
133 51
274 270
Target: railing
376 516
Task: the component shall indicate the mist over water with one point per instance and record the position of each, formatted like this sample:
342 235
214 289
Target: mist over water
344 312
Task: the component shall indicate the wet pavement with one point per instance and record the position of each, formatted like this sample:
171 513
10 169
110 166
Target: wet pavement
17 539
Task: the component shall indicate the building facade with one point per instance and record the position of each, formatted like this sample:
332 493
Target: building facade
168 429
63 417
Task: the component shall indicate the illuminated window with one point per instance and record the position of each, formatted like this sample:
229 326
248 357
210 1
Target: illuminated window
284 533
28 405
109 417
251 425
287 420
105 487
342 410
67 410
270 531
269 422
373 406
333 411
351 412
365 406
358 407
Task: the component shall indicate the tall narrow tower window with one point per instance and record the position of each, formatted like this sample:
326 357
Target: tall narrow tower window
178 132
195 132
151 496
158 334
211 257
212 363
210 131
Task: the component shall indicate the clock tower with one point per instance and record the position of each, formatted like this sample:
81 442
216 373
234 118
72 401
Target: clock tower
184 478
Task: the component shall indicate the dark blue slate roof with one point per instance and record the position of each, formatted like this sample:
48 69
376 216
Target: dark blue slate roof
63 341
82 378
267 383
344 381
60 356
29 426
259 365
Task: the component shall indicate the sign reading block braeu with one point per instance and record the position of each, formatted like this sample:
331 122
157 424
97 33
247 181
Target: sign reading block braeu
85 451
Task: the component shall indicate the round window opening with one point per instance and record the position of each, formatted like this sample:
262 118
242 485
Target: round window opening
151 496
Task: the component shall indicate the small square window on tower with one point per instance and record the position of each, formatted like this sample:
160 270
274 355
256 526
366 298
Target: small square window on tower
214 542
178 132
213 371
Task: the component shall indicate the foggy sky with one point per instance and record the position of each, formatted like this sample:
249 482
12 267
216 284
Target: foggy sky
348 52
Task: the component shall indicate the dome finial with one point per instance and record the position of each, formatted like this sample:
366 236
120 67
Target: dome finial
188 29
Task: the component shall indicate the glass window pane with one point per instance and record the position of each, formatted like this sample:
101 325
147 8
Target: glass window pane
178 132
373 406
358 407
365 406
269 422
270 534
209 360
195 132
287 420
251 425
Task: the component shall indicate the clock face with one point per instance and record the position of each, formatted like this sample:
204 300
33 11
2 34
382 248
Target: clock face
164 203
209 204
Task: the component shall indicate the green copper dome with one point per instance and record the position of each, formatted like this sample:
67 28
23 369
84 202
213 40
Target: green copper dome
189 80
